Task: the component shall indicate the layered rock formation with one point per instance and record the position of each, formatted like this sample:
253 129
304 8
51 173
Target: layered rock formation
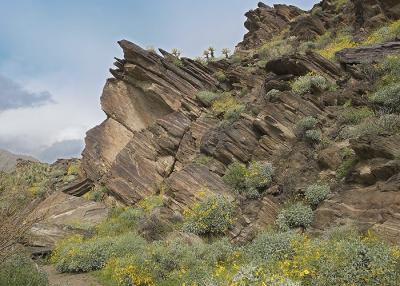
156 127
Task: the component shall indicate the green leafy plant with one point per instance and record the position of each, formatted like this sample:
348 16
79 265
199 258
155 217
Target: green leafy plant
213 215
220 76
249 181
305 84
317 193
305 124
352 115
293 216
388 97
20 270
208 97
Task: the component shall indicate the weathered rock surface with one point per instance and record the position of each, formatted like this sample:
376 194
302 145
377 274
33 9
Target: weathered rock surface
306 27
62 215
372 197
369 54
266 22
302 64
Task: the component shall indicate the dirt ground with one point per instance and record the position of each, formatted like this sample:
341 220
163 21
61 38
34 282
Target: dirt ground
68 279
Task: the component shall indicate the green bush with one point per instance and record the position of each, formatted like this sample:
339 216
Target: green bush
235 175
220 76
293 216
20 270
249 181
304 84
212 215
313 136
386 124
208 97
389 97
228 106
273 94
385 33
390 69
78 255
121 220
351 115
317 193
270 245
305 124
349 159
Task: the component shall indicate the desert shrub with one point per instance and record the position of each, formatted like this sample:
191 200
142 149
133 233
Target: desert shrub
208 97
352 115
129 270
228 106
233 113
73 169
259 174
349 159
235 175
270 246
305 124
390 69
317 193
388 97
385 33
202 159
293 216
220 76
313 136
275 48
385 124
304 84
121 220
97 194
341 42
272 94
76 254
249 181
20 270
212 215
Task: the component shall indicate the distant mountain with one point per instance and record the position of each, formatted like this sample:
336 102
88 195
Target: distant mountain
63 149
8 160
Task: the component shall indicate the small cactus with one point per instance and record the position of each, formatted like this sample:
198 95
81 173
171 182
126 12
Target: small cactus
226 52
206 54
212 51
176 53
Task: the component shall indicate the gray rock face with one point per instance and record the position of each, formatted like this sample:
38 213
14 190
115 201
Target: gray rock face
369 54
62 215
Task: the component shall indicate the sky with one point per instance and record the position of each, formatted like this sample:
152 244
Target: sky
55 56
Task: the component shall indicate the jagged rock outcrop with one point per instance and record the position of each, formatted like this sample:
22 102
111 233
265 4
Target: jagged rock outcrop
156 127
367 54
146 87
298 65
266 22
306 27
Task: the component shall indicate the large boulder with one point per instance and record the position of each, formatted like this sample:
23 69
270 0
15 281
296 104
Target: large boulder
266 22
61 215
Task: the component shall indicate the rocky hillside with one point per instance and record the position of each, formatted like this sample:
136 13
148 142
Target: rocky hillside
276 165
8 160
163 133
